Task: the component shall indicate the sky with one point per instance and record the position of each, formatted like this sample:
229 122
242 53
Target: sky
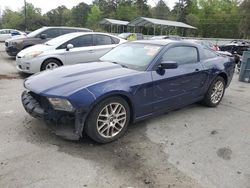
47 5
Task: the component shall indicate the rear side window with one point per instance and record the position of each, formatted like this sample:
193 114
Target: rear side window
102 40
52 33
181 55
115 40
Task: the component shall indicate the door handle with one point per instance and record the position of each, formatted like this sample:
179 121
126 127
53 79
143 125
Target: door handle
196 70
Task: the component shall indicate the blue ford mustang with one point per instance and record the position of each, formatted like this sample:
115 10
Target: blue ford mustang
132 82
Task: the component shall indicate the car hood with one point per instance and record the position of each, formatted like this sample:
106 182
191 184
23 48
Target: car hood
17 37
67 80
35 48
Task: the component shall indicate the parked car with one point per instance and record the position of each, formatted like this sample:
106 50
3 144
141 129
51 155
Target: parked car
67 49
134 81
131 36
236 48
38 36
9 33
173 37
205 43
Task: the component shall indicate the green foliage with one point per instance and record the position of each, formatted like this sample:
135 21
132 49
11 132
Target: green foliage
161 10
79 15
126 11
245 19
59 16
219 18
11 19
213 18
94 17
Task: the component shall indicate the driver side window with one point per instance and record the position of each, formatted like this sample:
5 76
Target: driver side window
181 55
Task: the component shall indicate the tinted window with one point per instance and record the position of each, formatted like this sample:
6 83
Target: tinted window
226 48
241 49
209 53
102 40
65 31
115 40
82 41
52 33
182 55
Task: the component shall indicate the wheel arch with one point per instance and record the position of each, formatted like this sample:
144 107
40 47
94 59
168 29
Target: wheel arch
224 76
55 58
122 95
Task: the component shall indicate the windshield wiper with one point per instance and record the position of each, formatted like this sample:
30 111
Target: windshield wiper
124 66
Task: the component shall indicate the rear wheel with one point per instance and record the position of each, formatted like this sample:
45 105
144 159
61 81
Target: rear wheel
108 120
215 92
50 64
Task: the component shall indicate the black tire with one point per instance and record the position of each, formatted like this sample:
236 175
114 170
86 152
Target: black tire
48 62
208 101
92 122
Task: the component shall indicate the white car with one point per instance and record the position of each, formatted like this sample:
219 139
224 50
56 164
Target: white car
67 49
9 33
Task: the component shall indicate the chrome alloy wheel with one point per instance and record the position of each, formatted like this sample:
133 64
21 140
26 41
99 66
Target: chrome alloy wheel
111 120
51 66
217 92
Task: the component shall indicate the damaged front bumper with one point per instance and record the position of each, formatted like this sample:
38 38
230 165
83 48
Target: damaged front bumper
65 124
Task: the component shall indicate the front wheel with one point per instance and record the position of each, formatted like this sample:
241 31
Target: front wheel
215 92
50 64
108 120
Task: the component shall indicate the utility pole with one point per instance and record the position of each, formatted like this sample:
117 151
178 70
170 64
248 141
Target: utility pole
25 15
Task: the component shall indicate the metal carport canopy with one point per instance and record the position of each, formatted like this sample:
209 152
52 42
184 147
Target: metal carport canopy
107 21
151 22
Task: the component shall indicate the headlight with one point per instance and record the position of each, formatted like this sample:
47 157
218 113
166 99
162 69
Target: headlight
61 104
32 54
15 42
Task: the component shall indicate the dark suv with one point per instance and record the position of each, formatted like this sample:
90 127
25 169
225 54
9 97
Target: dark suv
15 45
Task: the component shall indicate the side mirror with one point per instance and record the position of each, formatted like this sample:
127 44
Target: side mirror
168 65
69 46
43 36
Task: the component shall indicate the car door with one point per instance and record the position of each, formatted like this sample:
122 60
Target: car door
49 33
182 85
5 34
103 44
83 50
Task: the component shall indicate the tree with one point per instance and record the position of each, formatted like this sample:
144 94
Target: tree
108 7
11 19
245 18
94 17
79 15
161 10
35 19
59 16
126 11
142 8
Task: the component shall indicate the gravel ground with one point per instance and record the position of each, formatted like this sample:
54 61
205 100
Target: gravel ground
192 147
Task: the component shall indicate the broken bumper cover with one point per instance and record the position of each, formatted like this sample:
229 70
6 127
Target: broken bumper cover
58 122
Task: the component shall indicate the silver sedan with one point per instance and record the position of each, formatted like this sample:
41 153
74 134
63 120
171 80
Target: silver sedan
68 49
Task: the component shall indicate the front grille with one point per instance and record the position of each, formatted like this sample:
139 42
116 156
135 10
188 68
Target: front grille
43 101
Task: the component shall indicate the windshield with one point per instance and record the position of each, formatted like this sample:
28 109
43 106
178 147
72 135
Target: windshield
36 32
59 40
135 56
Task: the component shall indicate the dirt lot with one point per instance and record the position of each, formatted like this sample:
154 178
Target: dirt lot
192 147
